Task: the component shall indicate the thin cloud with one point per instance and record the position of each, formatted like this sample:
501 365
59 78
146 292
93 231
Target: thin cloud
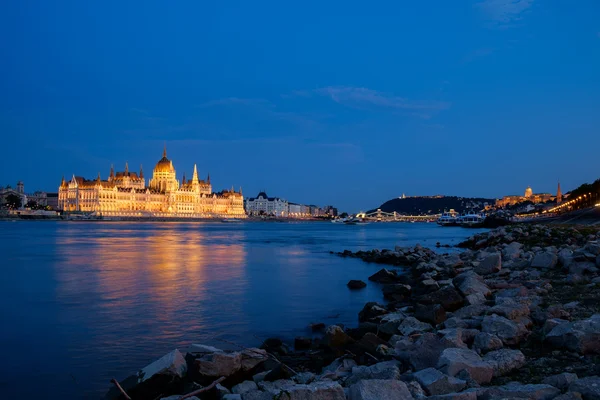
503 12
362 97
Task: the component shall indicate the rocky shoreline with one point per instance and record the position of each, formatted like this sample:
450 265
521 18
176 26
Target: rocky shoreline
515 315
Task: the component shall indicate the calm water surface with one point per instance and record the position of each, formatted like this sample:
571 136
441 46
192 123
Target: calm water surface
81 302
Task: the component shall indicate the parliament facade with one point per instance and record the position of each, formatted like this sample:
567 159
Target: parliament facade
125 194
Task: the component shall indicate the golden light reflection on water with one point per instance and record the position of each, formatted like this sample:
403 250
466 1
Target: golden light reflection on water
164 271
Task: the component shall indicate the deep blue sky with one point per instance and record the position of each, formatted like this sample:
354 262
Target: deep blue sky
344 103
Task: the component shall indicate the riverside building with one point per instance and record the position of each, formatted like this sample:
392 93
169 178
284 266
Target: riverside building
125 194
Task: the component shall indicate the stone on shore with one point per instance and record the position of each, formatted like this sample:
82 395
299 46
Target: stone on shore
229 396
433 314
466 395
588 387
454 360
411 325
336 337
322 390
510 308
383 276
470 283
390 323
382 370
490 265
545 260
447 297
252 357
423 353
356 284
434 382
371 310
580 336
512 251
379 389
516 390
561 381
486 342
219 364
244 387
511 333
504 361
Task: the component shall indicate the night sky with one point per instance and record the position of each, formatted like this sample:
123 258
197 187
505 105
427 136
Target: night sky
329 102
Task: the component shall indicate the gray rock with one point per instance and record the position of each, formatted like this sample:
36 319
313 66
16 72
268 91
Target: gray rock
202 348
514 390
561 381
423 353
454 336
593 248
579 336
583 268
551 324
434 382
589 387
390 323
260 376
470 311
232 397
470 283
505 360
454 360
509 308
520 291
598 261
455 396
509 332
490 265
378 389
383 370
486 342
171 364
336 337
475 299
304 377
219 364
222 390
252 357
411 325
453 323
244 387
565 257
275 387
544 260
569 396
433 314
416 390
258 395
322 390
512 251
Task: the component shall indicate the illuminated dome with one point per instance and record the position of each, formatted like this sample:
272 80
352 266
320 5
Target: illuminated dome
528 192
164 164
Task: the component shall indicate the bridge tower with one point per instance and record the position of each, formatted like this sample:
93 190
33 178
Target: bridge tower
558 194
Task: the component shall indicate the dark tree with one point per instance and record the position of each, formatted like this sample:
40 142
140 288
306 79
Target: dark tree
13 201
32 204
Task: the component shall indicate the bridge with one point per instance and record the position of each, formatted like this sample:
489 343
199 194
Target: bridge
383 216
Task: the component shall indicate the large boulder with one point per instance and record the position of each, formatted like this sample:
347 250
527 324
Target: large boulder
336 337
511 333
383 370
505 360
510 308
470 311
452 361
252 357
396 291
215 365
561 381
411 325
516 390
354 284
544 260
466 395
244 387
150 381
433 314
486 342
434 382
588 387
579 336
470 283
390 322
489 265
379 389
512 251
383 276
320 390
447 297
424 352
371 310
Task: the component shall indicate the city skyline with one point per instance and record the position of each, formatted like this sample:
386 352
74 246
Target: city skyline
338 104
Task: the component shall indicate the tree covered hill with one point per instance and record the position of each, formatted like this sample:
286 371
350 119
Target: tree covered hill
433 205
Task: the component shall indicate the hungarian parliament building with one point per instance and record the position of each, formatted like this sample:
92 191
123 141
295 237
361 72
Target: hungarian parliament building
125 194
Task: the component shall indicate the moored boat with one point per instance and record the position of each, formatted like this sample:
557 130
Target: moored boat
448 218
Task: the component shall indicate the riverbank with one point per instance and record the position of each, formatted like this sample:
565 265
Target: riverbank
515 315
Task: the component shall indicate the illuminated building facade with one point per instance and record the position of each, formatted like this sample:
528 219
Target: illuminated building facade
535 198
126 194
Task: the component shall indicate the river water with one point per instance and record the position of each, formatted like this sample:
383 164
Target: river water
81 302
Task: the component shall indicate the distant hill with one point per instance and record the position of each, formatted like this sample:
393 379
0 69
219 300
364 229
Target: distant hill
433 205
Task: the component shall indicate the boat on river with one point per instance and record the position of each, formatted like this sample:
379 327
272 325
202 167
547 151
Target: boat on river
471 219
448 218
